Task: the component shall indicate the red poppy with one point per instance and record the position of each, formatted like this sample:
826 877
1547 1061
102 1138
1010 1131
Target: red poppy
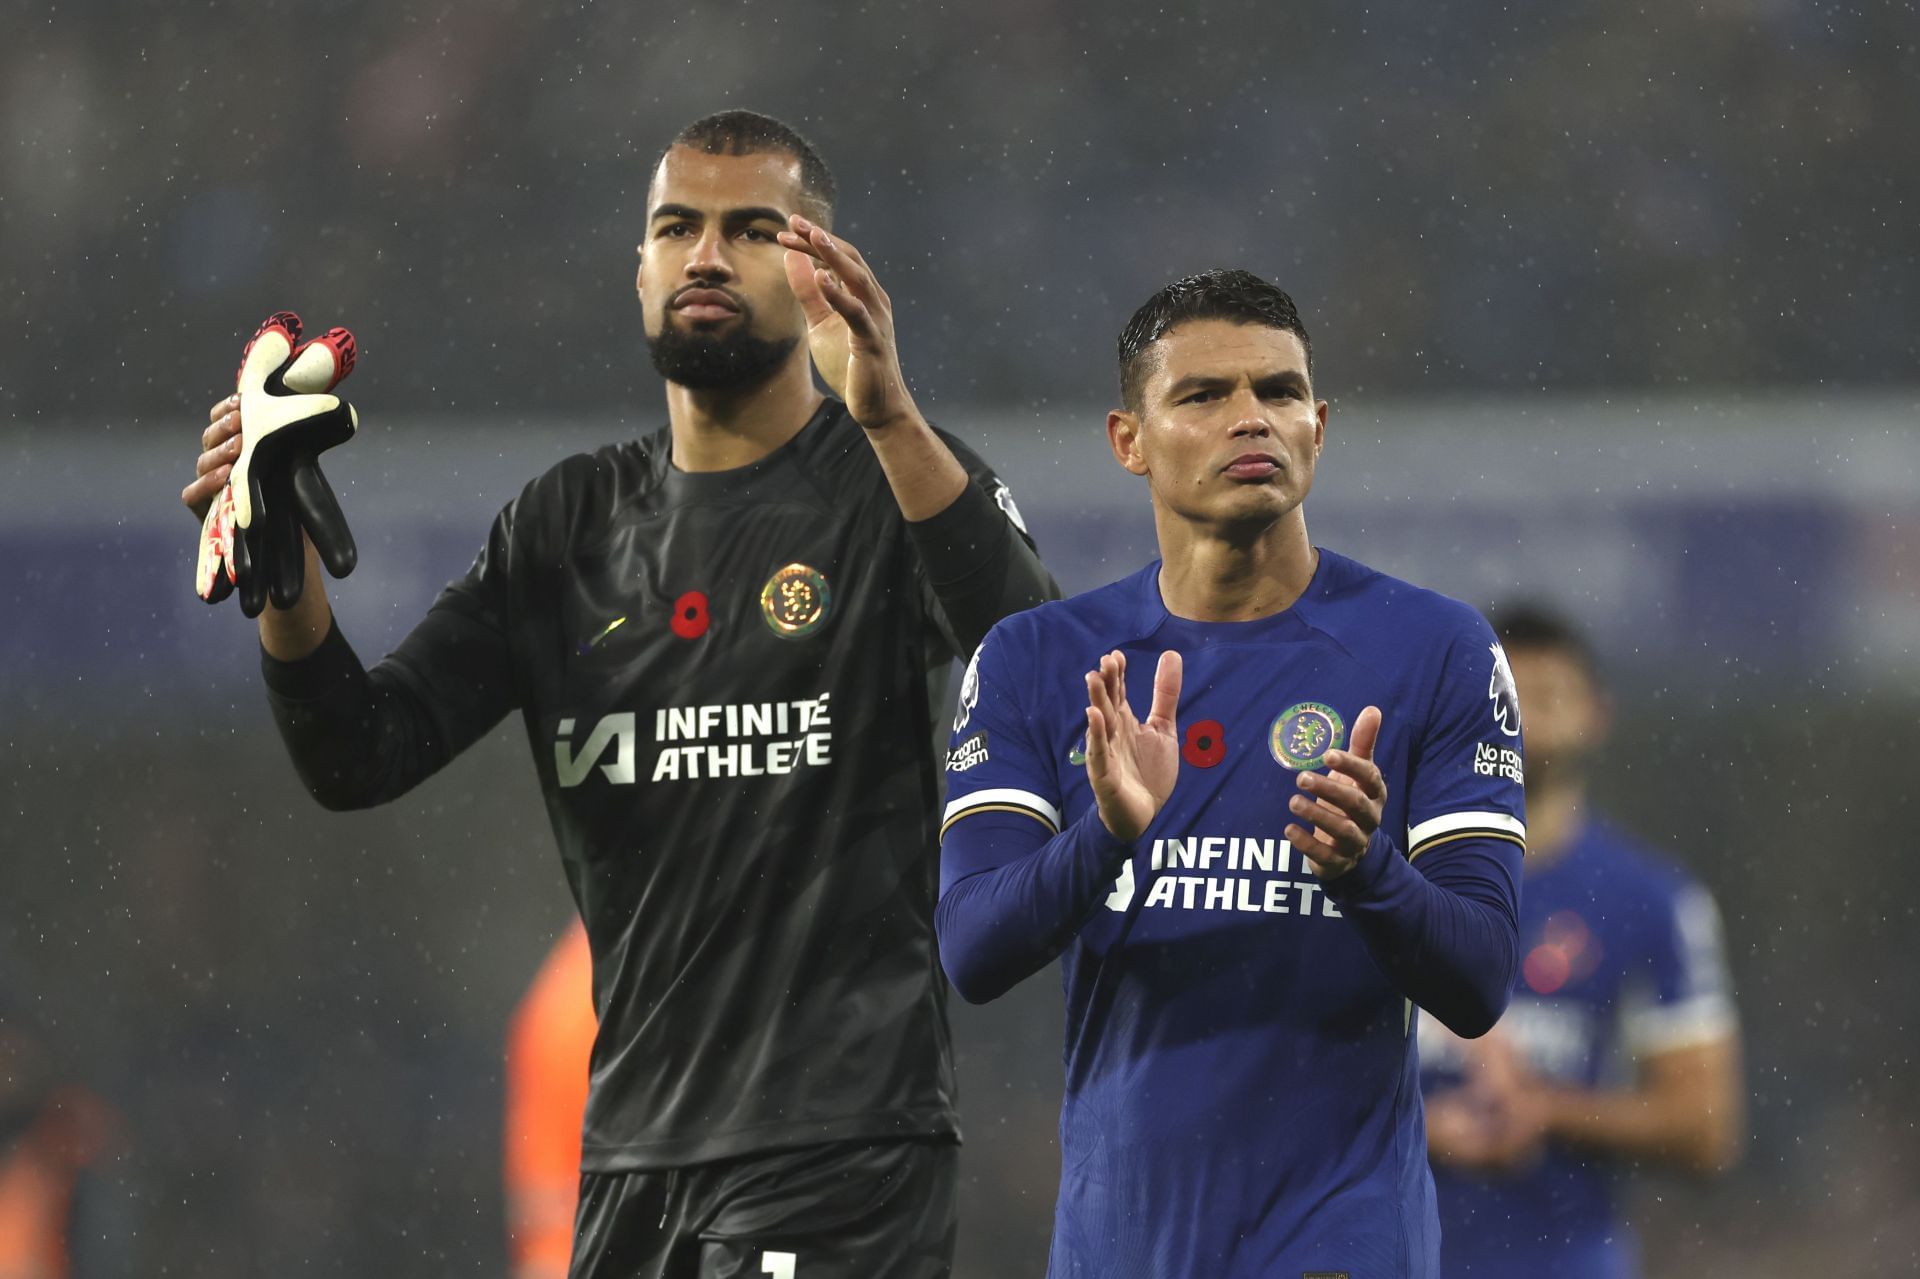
690 615
1206 744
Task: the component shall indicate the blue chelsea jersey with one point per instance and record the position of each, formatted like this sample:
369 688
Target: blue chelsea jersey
1241 1081
1621 960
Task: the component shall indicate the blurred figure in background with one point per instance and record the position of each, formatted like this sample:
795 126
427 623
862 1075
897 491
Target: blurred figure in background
57 1218
1621 1045
549 1047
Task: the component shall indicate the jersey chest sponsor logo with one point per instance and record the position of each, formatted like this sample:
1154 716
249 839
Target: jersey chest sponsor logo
700 743
613 731
1245 874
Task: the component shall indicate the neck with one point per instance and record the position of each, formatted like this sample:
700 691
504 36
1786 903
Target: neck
723 430
1209 574
1554 815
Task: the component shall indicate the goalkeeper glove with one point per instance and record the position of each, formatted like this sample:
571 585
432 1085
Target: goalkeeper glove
252 534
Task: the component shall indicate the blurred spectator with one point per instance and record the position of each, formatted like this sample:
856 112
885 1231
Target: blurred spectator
55 1137
1620 1047
1572 200
548 1050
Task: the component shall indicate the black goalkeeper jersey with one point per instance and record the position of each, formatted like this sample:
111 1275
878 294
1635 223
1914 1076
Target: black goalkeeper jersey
729 681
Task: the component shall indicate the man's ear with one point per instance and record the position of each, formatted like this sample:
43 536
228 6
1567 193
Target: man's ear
1319 427
1123 435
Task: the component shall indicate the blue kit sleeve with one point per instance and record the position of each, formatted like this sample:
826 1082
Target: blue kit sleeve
1442 921
1015 887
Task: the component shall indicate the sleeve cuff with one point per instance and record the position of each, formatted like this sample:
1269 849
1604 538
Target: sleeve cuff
1372 876
315 675
962 539
1113 851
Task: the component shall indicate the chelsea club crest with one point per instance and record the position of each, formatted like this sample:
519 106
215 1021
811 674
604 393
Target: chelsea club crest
1303 734
795 601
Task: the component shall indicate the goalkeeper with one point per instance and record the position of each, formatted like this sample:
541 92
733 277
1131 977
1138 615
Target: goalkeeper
727 642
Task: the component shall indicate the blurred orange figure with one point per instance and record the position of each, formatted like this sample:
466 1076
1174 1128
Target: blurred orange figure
548 1049
52 1135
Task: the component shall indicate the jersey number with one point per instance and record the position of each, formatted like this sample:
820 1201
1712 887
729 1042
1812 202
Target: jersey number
780 1265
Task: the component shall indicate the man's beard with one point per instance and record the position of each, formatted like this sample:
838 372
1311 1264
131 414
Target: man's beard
731 361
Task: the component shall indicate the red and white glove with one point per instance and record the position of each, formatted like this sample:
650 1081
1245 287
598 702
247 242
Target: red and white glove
251 537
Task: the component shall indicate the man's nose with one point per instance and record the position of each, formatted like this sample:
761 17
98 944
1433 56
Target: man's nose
708 261
1250 420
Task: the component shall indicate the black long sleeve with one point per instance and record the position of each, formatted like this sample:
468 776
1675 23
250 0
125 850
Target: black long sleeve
978 562
360 738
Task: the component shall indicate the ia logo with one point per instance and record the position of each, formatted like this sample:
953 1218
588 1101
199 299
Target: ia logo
573 767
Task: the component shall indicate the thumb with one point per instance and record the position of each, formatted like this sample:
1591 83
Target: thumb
1366 731
800 279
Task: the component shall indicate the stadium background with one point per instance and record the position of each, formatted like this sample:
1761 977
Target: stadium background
1615 305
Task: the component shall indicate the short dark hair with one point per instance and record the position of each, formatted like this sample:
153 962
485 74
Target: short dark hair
1240 296
750 133
1532 625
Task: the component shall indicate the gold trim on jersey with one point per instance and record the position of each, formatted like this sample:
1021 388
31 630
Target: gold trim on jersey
1002 799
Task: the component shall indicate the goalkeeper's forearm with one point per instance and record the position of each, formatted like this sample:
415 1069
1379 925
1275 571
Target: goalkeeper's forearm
291 634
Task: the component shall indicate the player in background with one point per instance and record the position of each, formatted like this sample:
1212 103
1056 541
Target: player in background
727 642
65 1212
1620 1047
549 1052
1252 869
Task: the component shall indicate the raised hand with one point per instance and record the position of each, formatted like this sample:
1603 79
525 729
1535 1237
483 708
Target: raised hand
827 338
259 490
1343 805
219 450
1131 766
1497 1119
849 325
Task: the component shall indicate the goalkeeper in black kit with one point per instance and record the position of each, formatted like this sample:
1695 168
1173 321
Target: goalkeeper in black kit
728 643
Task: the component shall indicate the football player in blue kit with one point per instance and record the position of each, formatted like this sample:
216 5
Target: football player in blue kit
1621 1045
1253 867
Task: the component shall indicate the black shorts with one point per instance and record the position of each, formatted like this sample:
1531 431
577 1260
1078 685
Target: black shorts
858 1210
